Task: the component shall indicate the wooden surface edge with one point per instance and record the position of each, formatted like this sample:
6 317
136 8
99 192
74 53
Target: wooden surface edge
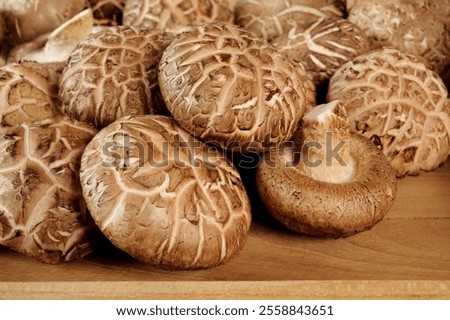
223 290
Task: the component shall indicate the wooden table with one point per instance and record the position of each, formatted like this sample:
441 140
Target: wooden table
407 255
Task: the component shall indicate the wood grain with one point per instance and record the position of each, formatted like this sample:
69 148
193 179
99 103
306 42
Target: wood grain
225 290
407 255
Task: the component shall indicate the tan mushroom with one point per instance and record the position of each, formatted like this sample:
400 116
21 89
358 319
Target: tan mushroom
172 16
113 73
163 196
27 19
411 26
323 46
56 46
231 88
3 44
393 99
107 12
333 183
42 211
270 19
28 92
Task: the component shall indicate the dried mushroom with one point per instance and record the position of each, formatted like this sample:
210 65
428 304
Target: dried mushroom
28 92
27 19
42 211
3 44
394 99
55 47
412 26
173 15
323 46
107 12
113 73
163 196
231 88
332 183
270 19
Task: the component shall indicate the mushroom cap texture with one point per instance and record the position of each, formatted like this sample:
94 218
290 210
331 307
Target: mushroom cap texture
107 12
228 87
419 27
43 213
393 99
324 208
113 73
323 46
270 19
172 16
172 201
27 19
28 92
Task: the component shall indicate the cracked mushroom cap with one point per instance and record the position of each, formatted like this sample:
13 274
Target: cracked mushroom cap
229 88
411 26
28 92
323 46
42 211
393 99
113 73
162 196
270 19
333 183
107 12
27 19
172 16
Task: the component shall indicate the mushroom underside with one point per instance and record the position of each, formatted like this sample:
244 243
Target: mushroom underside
329 209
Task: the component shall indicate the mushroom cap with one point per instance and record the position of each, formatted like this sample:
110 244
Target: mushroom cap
325 196
173 16
162 196
411 26
323 46
393 99
55 47
28 92
229 88
107 12
113 73
270 19
43 212
27 19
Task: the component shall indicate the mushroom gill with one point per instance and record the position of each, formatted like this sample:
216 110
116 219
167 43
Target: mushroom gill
330 182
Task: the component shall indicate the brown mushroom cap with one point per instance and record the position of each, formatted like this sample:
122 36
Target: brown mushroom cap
162 196
172 15
107 12
27 19
42 209
336 183
28 92
270 19
396 101
113 73
230 88
411 26
323 46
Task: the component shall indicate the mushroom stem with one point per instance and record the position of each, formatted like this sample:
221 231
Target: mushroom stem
325 154
349 194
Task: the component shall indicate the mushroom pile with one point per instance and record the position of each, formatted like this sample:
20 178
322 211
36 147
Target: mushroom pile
124 119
